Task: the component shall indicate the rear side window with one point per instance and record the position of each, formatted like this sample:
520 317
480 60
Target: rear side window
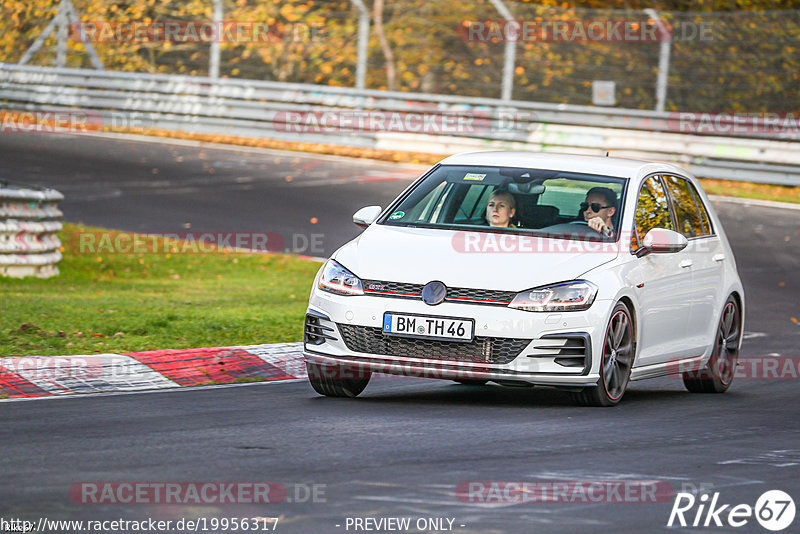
652 211
690 214
687 216
707 229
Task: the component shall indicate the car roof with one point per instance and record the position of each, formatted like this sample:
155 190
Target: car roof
621 167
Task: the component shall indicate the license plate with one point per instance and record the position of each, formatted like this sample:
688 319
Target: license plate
428 327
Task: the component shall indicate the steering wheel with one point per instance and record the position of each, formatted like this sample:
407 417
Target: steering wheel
585 223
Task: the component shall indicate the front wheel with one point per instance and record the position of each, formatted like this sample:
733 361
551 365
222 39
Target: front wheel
615 371
336 380
718 374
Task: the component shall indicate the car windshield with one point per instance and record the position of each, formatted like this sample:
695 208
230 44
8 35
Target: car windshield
511 199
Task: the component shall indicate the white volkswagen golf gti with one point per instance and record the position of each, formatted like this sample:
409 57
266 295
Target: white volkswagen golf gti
577 272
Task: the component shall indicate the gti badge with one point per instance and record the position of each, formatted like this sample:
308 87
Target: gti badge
434 293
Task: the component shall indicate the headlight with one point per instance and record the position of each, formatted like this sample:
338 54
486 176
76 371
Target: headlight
567 296
337 279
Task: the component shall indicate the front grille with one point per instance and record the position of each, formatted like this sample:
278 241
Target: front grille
487 296
392 289
495 350
454 294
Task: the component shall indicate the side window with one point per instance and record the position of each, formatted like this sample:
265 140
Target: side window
652 210
704 218
687 216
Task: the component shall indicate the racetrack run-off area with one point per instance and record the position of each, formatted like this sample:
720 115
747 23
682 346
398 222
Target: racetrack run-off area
44 376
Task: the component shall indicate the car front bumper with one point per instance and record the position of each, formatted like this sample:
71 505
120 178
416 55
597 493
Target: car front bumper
556 349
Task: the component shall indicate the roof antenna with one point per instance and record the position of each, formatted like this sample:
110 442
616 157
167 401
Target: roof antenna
606 153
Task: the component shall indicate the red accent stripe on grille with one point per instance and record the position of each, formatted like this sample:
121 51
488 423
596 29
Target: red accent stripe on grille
479 300
463 299
392 293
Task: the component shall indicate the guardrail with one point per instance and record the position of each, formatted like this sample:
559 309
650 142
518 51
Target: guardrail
397 121
29 223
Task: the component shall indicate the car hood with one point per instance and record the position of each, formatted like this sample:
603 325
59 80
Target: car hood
480 260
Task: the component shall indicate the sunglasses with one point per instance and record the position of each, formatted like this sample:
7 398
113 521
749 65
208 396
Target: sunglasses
594 205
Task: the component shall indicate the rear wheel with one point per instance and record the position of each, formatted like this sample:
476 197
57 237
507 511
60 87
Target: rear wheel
718 374
615 369
336 380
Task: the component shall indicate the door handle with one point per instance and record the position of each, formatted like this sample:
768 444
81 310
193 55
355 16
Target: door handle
686 263
719 257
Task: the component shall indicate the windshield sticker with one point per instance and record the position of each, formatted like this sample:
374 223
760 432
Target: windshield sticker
397 215
475 177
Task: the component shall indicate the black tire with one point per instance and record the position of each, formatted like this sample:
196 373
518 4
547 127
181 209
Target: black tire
337 381
473 382
615 365
718 374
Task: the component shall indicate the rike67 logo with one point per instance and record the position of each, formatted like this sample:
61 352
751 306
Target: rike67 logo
774 510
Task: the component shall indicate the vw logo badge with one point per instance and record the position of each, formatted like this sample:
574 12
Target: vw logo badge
433 293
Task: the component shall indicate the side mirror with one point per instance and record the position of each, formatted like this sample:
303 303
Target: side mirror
366 216
662 241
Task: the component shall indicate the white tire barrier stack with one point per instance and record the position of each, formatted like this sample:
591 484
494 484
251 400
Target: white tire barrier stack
29 223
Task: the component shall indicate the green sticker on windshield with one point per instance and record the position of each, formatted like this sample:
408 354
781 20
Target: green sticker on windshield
474 177
397 215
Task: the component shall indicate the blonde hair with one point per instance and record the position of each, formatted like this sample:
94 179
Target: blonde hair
503 193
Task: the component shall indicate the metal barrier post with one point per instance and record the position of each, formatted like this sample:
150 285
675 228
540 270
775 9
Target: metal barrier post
663 59
363 41
510 52
213 60
65 17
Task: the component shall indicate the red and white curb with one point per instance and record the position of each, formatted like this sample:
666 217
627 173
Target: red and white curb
46 376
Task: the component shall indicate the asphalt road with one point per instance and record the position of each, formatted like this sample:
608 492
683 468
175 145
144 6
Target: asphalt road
405 445
176 188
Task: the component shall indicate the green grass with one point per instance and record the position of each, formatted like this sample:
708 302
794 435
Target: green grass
104 302
778 193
